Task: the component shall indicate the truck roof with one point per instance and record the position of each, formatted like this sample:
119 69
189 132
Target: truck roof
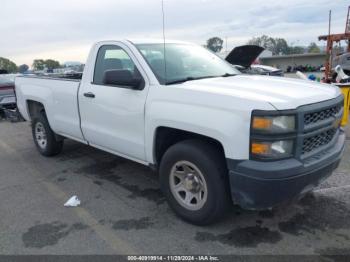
149 41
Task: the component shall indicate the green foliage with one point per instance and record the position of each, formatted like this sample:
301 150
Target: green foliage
281 46
52 64
264 41
8 65
215 44
278 46
313 48
23 68
40 64
296 50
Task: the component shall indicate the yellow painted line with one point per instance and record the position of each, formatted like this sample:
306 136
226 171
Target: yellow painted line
116 243
106 234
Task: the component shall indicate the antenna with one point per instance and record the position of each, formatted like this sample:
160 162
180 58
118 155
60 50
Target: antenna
163 14
347 25
329 22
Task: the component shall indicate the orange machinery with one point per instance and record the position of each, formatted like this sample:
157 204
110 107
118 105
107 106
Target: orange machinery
335 38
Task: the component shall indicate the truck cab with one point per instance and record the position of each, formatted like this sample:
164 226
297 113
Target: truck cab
215 136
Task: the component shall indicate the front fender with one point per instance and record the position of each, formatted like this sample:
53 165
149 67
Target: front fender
230 129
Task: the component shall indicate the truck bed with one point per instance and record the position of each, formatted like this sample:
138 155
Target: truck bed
73 76
58 94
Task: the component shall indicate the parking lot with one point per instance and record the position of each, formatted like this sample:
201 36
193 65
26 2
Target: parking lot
124 212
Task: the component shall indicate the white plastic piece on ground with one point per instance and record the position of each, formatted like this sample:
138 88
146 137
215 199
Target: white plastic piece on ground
341 75
72 202
301 75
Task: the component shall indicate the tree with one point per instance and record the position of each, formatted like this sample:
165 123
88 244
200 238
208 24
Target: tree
23 68
52 64
313 48
264 41
280 46
215 44
296 50
38 64
8 65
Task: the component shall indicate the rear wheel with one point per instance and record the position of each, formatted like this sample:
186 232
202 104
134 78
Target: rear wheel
44 138
194 180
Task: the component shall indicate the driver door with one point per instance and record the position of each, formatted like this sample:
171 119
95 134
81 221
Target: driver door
112 117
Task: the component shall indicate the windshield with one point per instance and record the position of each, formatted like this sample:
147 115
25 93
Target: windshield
184 62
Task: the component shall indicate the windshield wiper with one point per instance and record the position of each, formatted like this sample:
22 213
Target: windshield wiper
189 78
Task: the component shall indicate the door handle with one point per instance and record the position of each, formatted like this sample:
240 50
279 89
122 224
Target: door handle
90 95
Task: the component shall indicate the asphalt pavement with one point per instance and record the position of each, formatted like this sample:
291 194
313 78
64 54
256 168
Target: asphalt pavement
122 209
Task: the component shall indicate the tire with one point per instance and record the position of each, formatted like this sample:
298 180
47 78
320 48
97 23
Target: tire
44 138
206 163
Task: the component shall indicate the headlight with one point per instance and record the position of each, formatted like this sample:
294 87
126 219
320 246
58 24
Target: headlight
272 149
273 124
272 136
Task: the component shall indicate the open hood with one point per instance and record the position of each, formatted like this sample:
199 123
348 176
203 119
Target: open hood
244 55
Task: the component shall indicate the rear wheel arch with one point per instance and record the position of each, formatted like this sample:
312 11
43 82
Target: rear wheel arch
35 108
46 140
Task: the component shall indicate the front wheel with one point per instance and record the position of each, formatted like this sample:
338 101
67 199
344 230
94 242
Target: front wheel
44 138
193 178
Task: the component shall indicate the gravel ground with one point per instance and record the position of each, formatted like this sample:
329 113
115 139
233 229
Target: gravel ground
124 212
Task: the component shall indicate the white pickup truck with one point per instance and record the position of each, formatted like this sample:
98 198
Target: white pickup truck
216 136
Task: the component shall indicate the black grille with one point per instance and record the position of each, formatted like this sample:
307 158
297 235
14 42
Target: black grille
315 117
321 139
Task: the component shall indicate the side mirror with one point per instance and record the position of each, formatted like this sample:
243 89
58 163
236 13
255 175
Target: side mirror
123 78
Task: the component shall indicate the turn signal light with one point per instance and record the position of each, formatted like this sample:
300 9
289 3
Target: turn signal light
260 149
262 123
272 149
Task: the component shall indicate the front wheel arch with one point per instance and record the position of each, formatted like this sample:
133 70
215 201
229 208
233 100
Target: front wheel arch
165 137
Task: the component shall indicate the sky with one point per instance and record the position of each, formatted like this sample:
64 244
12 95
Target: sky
65 29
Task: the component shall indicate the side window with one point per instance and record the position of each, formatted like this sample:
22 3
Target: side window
112 57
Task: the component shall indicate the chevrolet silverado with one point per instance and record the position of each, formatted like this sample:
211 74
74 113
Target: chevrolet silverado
215 136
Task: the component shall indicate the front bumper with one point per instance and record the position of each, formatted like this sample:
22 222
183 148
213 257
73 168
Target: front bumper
262 185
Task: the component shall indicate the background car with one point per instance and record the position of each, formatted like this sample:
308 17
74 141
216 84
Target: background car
344 61
243 57
7 92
